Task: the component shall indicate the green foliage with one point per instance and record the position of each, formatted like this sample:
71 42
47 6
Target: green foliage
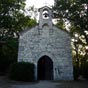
12 18
8 54
84 69
60 24
32 23
9 9
12 21
22 71
75 11
75 72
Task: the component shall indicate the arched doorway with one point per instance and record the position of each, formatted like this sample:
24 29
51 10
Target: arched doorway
45 68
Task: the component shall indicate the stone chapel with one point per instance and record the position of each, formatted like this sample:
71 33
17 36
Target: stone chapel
48 47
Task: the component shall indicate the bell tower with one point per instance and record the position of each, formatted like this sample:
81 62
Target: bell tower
45 17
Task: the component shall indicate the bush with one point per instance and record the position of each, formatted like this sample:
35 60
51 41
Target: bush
76 72
4 65
22 71
8 54
84 70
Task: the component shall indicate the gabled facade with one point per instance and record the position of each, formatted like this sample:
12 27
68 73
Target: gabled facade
48 48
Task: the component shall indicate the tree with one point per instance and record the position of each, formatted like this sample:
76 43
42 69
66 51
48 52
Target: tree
9 11
32 12
76 12
12 21
12 18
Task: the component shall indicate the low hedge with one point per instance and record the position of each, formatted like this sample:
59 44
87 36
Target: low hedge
22 71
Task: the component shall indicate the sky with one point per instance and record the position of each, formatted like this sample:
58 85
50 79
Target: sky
39 3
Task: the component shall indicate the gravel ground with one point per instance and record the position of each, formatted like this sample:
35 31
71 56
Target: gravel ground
73 84
6 83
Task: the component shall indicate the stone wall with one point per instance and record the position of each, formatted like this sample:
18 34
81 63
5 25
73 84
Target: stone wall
55 43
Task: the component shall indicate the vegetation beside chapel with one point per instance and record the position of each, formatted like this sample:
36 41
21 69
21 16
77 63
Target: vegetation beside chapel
22 71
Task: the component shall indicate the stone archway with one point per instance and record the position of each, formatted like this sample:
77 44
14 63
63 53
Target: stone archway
45 68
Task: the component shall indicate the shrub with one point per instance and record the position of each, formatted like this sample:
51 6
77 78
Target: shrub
76 72
4 65
8 54
22 71
84 70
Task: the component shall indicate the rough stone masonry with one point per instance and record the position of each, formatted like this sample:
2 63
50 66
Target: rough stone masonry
45 39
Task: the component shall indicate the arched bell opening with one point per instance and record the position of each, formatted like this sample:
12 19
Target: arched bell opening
45 14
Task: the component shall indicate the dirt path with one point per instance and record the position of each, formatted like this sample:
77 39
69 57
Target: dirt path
6 83
41 84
